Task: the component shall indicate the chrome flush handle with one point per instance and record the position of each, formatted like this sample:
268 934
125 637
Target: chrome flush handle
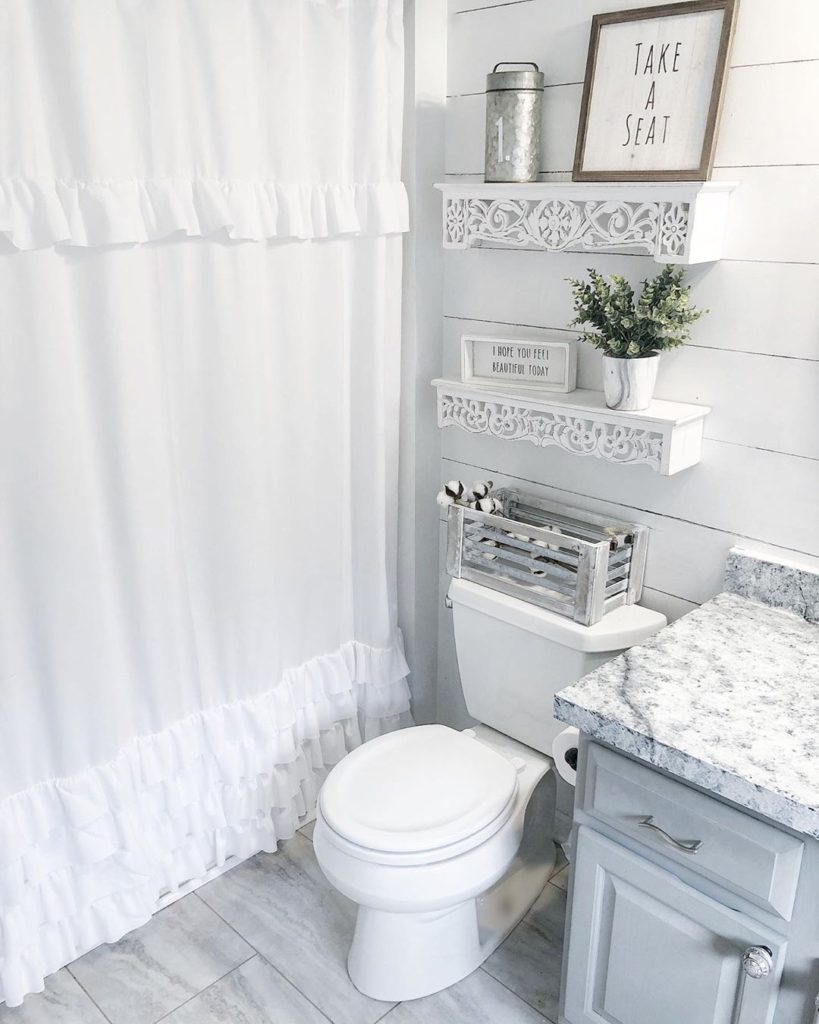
683 845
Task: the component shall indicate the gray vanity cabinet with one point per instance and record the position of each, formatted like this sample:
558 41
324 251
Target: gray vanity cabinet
683 909
645 948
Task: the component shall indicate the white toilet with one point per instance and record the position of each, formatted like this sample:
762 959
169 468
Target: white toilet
444 838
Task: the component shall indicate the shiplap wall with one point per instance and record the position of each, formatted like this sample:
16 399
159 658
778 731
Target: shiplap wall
423 160
754 358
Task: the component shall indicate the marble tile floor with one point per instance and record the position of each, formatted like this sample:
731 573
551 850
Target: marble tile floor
266 944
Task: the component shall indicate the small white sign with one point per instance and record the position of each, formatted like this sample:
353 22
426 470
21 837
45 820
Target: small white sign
542 365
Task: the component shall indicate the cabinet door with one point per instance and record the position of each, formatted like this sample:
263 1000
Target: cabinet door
644 948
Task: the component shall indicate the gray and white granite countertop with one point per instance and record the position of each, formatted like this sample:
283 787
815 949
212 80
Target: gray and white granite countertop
726 697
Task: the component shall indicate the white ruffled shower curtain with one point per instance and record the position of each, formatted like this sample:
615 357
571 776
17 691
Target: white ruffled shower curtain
200 210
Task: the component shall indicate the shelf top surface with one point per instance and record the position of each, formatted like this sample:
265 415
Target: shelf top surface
583 400
589 189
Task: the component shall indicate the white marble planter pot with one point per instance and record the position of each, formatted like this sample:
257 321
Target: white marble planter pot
628 384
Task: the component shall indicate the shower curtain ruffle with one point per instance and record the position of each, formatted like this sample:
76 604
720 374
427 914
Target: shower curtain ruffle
35 213
84 859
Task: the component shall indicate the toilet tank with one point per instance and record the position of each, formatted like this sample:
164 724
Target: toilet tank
513 657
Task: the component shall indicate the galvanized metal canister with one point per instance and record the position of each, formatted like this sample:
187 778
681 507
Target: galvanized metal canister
513 105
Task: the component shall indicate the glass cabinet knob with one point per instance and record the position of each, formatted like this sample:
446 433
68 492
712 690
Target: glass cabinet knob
757 961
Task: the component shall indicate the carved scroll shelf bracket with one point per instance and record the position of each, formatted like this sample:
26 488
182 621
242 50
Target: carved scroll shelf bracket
667 437
677 222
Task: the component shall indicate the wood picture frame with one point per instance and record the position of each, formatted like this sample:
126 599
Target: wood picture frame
594 117
533 364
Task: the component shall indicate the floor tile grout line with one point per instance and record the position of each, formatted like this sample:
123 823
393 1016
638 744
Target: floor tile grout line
85 990
293 985
193 893
201 991
235 930
259 953
256 953
385 1015
489 974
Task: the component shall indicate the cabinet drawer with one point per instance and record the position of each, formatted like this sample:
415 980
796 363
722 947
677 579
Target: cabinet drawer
744 855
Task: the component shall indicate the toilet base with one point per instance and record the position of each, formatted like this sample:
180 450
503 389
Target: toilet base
399 956
403 956
424 925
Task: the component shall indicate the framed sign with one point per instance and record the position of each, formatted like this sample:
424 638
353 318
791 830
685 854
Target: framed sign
539 365
651 98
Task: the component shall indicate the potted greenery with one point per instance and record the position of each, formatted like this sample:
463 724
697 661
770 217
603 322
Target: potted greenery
632 336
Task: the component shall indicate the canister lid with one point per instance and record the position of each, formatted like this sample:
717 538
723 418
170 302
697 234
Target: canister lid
518 79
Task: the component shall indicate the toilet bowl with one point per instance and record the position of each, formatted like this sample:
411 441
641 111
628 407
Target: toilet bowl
444 838
424 830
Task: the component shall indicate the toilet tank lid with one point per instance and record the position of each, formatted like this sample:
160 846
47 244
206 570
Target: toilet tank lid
625 626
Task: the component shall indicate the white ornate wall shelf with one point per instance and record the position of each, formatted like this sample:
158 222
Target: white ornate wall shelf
676 222
667 436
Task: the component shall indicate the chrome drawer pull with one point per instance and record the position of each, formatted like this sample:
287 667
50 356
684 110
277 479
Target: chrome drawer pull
683 845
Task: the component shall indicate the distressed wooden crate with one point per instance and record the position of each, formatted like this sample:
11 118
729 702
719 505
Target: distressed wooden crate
565 559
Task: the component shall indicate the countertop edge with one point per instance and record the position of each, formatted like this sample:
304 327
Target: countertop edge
774 806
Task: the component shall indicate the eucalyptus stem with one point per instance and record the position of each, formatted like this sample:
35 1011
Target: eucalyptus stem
617 325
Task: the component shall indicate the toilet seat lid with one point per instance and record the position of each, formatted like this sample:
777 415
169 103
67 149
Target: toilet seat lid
417 789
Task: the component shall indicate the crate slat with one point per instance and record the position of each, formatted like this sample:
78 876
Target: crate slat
576 563
525 575
536 559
